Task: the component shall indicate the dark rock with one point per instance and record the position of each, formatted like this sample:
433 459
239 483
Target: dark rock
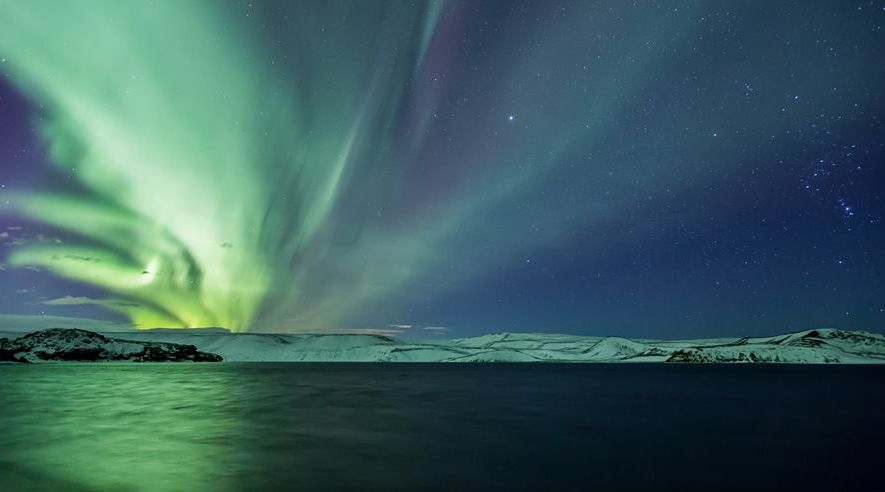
59 344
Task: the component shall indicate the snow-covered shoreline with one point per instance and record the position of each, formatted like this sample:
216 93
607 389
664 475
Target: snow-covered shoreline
807 347
73 345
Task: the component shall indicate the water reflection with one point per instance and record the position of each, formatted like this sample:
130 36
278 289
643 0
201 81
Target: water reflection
229 427
118 427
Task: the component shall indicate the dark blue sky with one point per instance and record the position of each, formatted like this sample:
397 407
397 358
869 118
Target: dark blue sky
675 169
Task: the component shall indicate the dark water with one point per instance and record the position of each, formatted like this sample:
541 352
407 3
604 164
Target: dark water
231 427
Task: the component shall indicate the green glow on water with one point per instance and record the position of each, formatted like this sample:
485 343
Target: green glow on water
115 427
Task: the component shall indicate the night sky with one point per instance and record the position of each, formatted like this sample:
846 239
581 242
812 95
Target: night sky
644 169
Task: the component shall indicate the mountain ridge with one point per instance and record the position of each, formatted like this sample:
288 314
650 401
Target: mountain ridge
804 347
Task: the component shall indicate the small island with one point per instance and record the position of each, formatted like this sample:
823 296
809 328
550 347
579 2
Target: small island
74 345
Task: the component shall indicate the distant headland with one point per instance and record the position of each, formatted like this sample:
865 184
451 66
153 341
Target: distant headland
74 345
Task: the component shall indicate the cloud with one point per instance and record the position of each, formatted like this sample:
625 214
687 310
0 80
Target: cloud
88 259
42 238
4 235
24 323
29 290
80 301
437 330
370 331
401 327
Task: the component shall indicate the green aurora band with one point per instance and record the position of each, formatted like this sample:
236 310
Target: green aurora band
310 165
205 171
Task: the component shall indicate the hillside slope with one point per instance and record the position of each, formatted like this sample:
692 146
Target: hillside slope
73 345
813 346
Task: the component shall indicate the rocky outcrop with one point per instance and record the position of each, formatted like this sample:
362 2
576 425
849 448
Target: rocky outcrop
60 344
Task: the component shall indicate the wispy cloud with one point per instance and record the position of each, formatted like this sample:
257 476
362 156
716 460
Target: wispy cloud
80 301
87 259
401 327
23 323
371 331
437 330
42 238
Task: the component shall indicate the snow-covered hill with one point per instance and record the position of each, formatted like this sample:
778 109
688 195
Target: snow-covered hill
65 344
814 346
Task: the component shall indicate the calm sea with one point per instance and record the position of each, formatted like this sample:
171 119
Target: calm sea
231 427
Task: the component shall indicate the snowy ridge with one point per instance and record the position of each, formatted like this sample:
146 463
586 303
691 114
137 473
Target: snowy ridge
69 344
812 346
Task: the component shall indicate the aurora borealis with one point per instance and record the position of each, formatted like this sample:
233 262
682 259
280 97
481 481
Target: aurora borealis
644 169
